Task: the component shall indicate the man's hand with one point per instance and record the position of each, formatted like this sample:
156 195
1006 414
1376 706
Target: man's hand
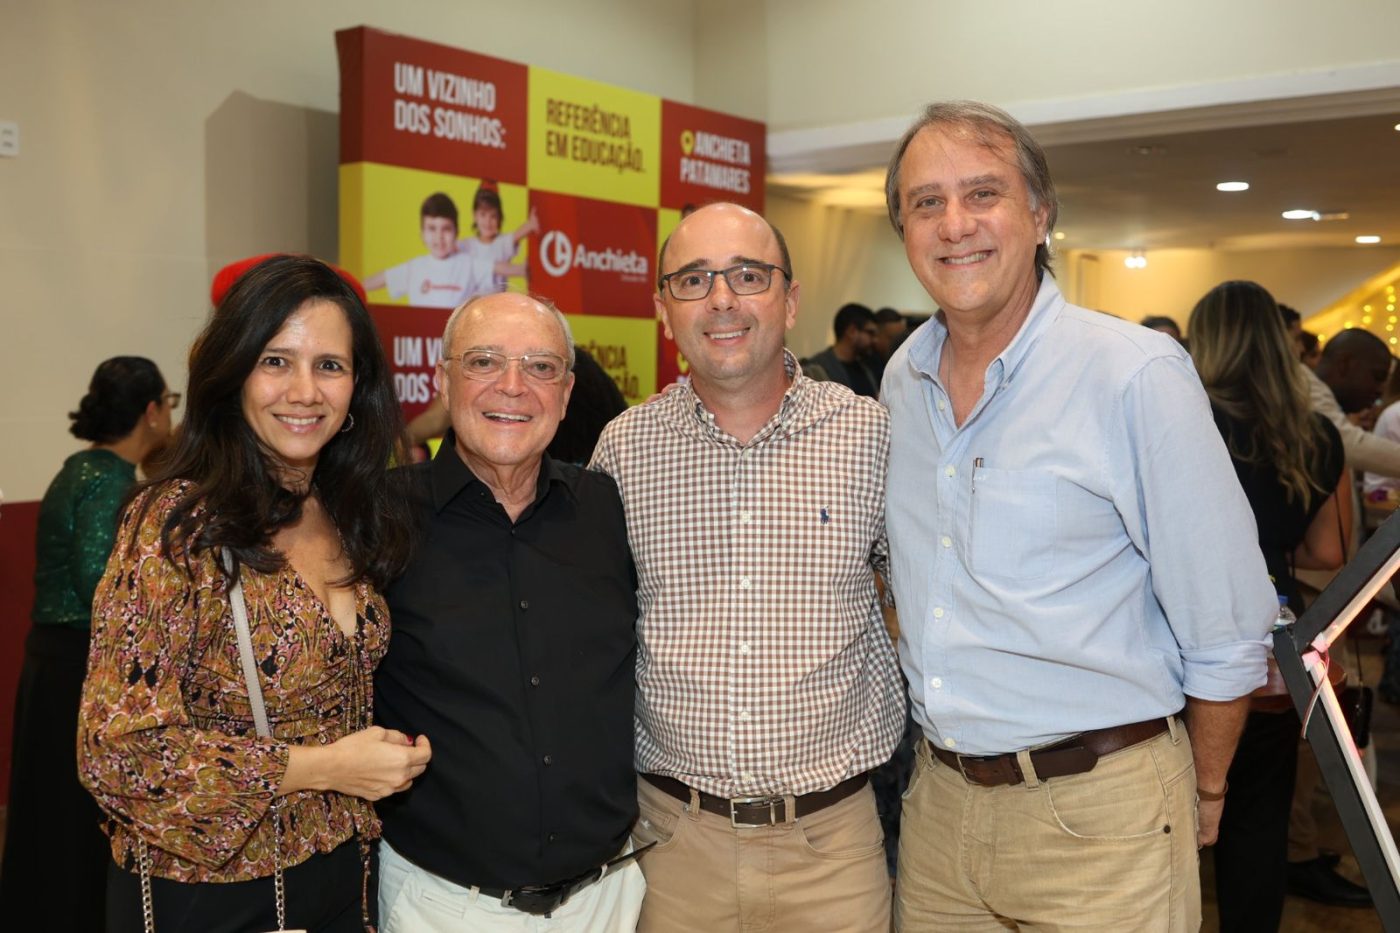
1365 418
1208 822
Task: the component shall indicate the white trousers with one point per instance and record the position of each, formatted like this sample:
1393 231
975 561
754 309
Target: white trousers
412 900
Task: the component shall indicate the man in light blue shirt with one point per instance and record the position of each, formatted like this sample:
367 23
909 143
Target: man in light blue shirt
1073 561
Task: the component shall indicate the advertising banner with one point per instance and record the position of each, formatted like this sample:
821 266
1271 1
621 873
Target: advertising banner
462 174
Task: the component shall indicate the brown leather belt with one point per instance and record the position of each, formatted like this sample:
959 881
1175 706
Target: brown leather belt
1075 755
759 811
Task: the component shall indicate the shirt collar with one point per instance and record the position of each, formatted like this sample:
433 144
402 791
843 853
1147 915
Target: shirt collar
927 345
793 404
450 475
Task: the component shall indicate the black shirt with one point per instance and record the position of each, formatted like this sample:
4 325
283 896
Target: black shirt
513 649
1283 523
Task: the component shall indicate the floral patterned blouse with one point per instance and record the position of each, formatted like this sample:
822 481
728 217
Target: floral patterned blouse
166 741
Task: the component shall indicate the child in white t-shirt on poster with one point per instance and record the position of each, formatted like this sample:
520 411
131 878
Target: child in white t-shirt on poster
493 252
445 277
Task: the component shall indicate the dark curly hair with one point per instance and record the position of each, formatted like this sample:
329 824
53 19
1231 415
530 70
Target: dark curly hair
117 396
236 502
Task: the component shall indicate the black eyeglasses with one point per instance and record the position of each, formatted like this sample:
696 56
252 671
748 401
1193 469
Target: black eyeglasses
749 278
488 365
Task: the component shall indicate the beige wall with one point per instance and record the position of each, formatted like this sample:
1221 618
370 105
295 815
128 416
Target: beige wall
841 255
163 139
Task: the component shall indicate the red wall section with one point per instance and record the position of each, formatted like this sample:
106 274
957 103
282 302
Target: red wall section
17 524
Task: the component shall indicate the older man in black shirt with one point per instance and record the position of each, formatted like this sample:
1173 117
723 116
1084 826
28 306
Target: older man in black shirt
513 648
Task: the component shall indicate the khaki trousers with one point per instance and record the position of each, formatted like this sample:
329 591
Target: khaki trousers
1111 849
825 871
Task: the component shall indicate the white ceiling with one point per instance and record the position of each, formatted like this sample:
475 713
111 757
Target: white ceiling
1151 188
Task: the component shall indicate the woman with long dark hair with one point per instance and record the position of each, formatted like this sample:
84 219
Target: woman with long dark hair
55 864
1292 467
275 507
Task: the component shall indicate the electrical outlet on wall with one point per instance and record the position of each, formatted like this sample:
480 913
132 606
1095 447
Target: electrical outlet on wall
9 138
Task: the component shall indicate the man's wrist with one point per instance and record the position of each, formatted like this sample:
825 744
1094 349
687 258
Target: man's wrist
1211 796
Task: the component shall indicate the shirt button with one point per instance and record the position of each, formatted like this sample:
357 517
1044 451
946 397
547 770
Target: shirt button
548 760
950 742
746 777
938 612
524 604
946 541
941 405
745 583
535 680
745 517
743 715
936 683
553 836
950 471
744 648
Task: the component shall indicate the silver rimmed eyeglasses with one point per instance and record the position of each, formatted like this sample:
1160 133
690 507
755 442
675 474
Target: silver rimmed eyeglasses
749 278
488 365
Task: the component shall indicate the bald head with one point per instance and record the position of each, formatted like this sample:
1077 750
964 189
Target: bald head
722 209
1355 365
484 305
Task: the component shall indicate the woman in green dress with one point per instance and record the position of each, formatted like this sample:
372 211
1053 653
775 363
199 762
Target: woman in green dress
55 863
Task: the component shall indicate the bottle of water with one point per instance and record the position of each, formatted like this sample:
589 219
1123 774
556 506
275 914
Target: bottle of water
1285 615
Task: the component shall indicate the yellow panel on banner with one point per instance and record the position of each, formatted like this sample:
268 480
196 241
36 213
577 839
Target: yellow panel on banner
625 347
383 206
593 140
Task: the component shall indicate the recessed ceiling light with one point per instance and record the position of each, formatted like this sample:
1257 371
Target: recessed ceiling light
1301 213
1232 186
1367 240
1397 127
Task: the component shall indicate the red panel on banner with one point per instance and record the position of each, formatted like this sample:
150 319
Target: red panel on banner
594 256
708 156
412 340
426 106
17 559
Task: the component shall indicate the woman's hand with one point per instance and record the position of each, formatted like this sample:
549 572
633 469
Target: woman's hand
372 763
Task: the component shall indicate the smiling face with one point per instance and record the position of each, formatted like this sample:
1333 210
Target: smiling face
730 341
505 423
488 223
440 236
970 231
297 396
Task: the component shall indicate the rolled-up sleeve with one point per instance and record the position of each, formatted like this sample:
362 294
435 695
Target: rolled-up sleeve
1186 512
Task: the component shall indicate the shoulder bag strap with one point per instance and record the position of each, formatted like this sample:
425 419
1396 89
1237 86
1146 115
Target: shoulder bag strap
245 649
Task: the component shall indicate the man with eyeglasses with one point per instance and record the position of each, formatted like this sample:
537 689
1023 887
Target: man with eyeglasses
768 685
514 648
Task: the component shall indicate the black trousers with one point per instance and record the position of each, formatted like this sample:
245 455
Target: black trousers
55 863
1251 856
323 896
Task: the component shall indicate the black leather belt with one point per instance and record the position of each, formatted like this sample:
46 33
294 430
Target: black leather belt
759 811
541 900
1075 755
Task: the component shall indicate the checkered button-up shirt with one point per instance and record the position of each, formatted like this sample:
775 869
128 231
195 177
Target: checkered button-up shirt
764 666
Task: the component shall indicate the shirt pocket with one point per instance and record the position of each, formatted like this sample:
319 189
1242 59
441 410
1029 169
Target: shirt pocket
1013 524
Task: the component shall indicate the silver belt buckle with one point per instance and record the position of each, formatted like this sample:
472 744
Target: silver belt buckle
770 802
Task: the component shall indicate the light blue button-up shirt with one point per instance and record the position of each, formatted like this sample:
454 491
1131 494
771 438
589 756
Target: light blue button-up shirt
1078 554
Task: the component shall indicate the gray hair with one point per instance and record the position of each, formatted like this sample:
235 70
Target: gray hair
544 303
991 126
